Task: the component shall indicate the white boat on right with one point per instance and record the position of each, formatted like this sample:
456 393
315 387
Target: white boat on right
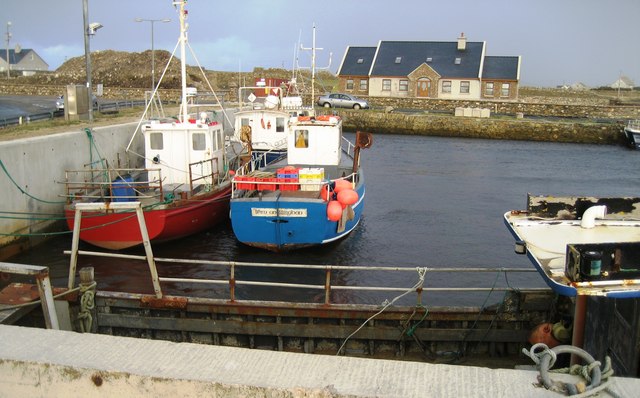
632 132
581 246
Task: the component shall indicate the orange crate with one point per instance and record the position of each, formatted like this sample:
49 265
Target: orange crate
270 186
248 185
287 184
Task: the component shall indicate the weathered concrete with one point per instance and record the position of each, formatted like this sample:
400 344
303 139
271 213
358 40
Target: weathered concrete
34 166
48 363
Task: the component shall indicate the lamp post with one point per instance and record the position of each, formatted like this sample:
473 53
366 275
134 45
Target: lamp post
89 30
153 55
8 39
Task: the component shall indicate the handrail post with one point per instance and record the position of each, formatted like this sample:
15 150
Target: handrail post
232 282
148 251
46 299
74 247
327 286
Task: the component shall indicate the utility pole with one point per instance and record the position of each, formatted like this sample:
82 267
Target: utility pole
8 61
153 52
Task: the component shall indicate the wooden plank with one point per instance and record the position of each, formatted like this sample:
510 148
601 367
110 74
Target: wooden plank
304 330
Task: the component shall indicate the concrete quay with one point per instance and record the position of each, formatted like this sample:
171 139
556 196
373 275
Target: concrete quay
51 363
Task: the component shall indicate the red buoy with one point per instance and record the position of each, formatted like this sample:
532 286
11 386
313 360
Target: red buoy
334 210
347 197
342 184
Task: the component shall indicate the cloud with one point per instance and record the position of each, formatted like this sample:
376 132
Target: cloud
58 54
232 53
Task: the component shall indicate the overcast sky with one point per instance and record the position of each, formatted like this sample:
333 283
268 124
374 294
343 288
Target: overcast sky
560 41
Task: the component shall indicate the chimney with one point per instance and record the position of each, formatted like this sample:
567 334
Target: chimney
462 42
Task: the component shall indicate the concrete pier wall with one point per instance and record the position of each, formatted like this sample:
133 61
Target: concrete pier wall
34 167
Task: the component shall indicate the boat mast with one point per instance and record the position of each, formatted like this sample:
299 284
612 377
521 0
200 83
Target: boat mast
313 61
183 116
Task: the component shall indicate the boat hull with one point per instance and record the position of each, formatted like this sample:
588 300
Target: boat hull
120 230
633 137
280 223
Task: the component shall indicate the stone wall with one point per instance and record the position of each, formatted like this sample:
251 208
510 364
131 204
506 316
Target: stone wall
493 128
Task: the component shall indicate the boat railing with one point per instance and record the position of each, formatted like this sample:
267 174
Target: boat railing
348 147
198 172
327 280
125 184
634 124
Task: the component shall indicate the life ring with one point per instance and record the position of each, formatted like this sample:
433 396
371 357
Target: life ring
269 124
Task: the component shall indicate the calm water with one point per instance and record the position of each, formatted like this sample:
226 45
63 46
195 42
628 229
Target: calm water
435 202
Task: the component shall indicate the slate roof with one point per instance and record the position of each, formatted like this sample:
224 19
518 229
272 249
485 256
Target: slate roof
442 54
350 65
16 57
500 68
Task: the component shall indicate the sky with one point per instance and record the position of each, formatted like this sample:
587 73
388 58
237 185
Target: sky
560 41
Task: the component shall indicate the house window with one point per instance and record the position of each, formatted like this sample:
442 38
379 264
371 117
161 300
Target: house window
198 142
398 60
464 87
446 86
429 59
279 125
505 89
360 60
404 85
488 89
457 61
155 140
349 84
386 84
364 84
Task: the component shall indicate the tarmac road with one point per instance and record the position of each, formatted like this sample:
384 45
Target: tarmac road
22 105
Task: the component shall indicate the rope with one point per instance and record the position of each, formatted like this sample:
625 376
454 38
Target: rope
386 304
87 304
22 190
597 379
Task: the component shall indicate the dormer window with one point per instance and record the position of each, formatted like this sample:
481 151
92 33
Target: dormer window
360 60
429 59
457 61
398 60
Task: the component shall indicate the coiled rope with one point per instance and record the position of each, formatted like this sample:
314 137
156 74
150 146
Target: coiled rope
545 358
87 305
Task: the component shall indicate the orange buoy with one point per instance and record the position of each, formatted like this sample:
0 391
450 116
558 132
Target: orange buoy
325 192
334 210
543 333
342 184
347 197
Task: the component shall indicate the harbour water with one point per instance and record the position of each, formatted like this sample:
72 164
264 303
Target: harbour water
430 202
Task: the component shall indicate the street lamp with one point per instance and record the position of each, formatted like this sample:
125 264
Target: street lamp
153 56
8 38
89 30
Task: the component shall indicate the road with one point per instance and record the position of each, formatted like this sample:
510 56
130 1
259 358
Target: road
22 105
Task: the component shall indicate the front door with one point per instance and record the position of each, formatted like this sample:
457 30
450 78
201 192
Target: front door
424 87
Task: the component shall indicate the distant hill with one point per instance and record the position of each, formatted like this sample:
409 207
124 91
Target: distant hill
133 70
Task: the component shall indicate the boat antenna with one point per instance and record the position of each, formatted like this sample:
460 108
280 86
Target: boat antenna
313 61
183 66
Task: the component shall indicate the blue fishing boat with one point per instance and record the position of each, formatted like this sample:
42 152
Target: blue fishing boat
312 195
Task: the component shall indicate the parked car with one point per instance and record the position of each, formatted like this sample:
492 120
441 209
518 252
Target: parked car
340 100
60 102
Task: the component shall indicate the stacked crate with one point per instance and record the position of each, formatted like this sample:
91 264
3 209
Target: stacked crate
288 178
311 178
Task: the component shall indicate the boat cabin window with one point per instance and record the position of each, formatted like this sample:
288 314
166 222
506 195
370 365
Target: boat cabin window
244 121
155 140
198 142
279 125
302 138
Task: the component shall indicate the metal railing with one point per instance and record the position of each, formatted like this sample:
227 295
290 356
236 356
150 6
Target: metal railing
109 184
104 107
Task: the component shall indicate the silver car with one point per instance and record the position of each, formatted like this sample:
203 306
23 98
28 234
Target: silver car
340 100
60 102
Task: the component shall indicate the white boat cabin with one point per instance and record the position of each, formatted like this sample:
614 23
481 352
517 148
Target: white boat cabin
315 141
185 152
